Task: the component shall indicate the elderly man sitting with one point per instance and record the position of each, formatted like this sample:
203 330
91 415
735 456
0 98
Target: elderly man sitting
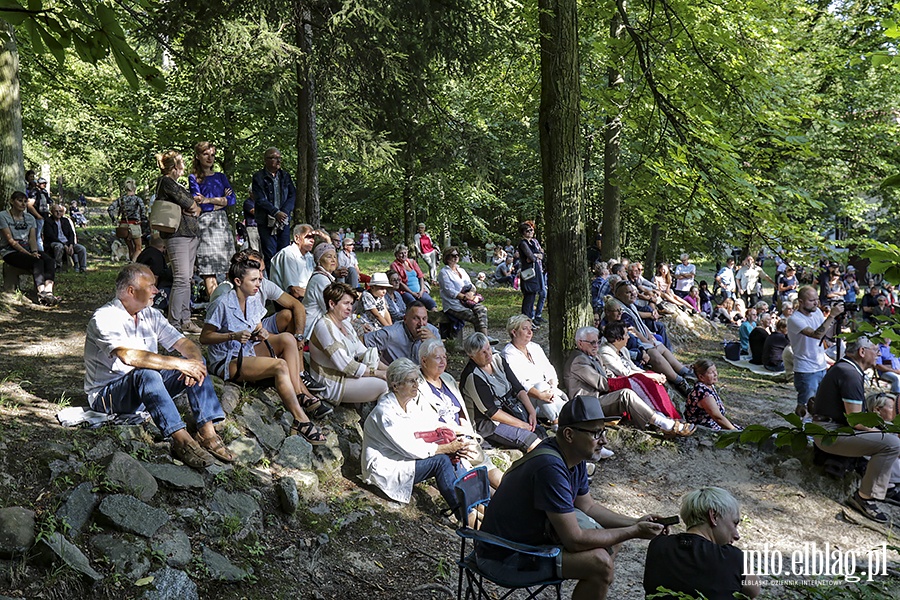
402 339
585 375
291 268
125 373
60 239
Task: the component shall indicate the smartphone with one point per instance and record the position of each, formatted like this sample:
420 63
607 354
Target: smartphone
668 521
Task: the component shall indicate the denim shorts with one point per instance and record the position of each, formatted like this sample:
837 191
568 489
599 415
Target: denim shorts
806 385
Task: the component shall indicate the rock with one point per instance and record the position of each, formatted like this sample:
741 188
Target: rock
171 584
126 557
246 450
230 397
101 450
296 453
288 498
237 504
175 547
127 513
16 531
79 506
286 420
128 472
791 469
178 477
345 417
306 482
328 458
56 547
59 467
220 568
55 451
269 396
259 419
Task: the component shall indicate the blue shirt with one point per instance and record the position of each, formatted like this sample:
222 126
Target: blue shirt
226 315
744 331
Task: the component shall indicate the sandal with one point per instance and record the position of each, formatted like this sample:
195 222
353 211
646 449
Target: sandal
681 429
313 407
310 432
215 446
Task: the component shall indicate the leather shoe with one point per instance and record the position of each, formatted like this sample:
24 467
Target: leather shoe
215 446
192 454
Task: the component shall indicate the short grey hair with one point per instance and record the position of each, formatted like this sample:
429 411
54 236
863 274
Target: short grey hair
684 256
474 343
583 332
515 323
880 400
401 370
860 343
401 248
300 229
695 506
429 347
129 275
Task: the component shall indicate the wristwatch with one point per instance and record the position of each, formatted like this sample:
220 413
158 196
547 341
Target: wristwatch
299 337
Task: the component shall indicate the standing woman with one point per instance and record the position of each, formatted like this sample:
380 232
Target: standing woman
531 273
181 245
426 248
129 210
214 194
18 247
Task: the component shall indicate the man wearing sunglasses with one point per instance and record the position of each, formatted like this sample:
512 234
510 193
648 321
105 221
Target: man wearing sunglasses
560 510
275 194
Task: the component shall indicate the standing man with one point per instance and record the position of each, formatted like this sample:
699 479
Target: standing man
842 392
39 207
725 279
274 194
59 235
684 276
124 372
544 499
806 328
748 279
348 267
294 265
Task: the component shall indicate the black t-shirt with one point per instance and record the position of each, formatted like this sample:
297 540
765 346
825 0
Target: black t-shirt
692 564
844 380
773 349
154 258
758 338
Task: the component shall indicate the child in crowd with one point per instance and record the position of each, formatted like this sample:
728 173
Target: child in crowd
375 309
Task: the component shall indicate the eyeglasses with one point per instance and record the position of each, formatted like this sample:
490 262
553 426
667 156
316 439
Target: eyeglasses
454 255
592 342
596 434
273 158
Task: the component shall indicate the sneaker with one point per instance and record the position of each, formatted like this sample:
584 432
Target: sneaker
591 468
493 341
192 454
538 320
867 508
606 453
312 384
683 387
893 496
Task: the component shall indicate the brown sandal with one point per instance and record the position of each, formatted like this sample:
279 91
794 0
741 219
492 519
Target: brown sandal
215 446
682 429
310 432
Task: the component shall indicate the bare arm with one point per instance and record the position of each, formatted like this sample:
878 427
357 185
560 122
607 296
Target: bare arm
617 528
296 307
190 364
819 332
712 409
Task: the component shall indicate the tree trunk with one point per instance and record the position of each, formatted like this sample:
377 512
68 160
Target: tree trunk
653 249
568 294
612 200
409 205
308 208
12 170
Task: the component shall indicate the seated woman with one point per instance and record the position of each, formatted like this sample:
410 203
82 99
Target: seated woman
395 452
503 413
773 348
394 301
19 248
703 406
663 281
702 560
656 354
412 281
339 360
499 256
693 298
439 393
458 293
533 369
727 314
241 349
706 299
758 337
325 257
617 362
375 311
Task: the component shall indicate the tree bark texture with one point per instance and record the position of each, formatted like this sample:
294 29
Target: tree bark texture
568 301
612 142
12 173
308 208
409 204
652 249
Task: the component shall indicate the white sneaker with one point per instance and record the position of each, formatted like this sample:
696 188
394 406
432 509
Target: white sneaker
606 453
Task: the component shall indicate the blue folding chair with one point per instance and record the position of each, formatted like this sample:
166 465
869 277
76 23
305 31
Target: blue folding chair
473 491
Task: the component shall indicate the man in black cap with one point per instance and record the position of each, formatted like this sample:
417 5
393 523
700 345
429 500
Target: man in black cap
544 498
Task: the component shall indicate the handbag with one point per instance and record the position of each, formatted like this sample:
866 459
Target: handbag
165 217
123 231
526 274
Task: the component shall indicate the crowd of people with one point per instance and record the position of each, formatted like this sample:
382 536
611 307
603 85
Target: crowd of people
298 310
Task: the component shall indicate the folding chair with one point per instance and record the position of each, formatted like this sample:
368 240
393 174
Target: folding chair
473 493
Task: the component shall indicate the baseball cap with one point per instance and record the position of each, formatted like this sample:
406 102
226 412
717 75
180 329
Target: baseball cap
582 409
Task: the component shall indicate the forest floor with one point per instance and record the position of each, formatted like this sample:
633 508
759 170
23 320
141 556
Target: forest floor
350 543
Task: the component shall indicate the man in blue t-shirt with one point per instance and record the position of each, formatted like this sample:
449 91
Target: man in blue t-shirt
544 498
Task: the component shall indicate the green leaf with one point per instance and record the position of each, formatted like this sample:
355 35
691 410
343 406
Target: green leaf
791 418
866 419
144 581
890 182
798 443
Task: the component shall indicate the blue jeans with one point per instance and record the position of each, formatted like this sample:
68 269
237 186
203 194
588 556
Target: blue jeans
269 245
541 298
155 390
427 300
806 385
444 472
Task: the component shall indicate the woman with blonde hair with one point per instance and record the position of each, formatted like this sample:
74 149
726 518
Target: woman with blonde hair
183 243
213 192
129 211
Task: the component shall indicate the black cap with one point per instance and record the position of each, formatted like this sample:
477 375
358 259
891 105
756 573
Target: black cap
582 409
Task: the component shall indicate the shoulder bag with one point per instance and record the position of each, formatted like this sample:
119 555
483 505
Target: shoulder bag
165 216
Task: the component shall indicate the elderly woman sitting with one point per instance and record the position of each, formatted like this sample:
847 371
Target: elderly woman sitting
439 393
349 371
325 257
703 560
412 281
703 406
617 362
504 415
532 368
458 294
404 445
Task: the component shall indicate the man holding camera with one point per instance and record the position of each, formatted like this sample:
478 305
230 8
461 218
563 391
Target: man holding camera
806 328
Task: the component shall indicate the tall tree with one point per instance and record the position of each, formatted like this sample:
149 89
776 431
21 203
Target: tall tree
12 176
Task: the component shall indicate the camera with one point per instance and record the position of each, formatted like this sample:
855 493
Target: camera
850 307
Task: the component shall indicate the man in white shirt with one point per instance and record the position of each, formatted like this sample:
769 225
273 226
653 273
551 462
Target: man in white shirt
684 276
748 279
124 371
725 279
806 328
292 267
